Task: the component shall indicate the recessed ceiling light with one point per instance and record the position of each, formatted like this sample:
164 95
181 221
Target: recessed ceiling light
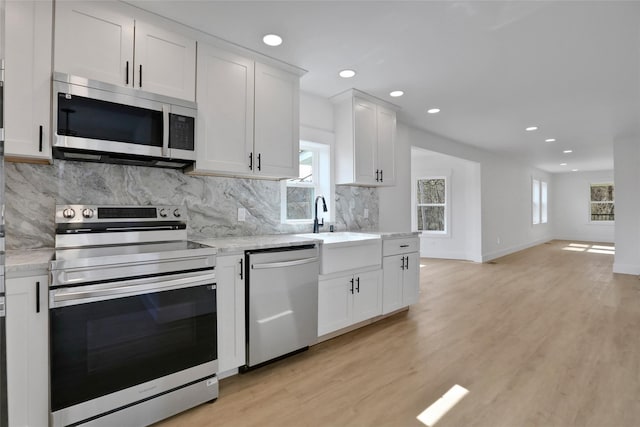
347 74
550 140
433 110
531 128
272 40
574 170
396 93
567 151
563 164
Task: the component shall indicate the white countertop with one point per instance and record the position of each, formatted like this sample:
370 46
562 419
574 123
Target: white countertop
20 262
239 244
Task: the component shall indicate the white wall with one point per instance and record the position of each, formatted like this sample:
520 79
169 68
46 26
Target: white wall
626 157
569 205
464 222
505 193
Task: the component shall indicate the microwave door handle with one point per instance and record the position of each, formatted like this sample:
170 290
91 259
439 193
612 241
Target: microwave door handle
165 130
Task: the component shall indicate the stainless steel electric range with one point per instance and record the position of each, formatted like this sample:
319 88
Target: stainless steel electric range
132 316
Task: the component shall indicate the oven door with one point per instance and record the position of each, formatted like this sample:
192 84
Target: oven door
110 343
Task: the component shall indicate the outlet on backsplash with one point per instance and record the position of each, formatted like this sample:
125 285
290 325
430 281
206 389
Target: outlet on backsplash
366 213
242 214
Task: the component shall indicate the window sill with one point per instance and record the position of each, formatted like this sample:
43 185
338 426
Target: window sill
436 235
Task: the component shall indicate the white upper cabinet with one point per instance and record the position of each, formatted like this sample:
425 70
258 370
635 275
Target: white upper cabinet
277 122
97 41
94 43
365 139
28 80
386 125
248 117
165 62
225 111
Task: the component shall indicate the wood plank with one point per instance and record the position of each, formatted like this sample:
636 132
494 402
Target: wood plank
545 336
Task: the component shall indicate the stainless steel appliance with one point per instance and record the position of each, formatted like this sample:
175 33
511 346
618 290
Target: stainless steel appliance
101 122
3 360
282 302
132 316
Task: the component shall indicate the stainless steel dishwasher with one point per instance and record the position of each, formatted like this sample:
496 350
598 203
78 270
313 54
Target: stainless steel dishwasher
281 302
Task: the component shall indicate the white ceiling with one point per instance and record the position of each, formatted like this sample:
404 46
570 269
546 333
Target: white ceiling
493 67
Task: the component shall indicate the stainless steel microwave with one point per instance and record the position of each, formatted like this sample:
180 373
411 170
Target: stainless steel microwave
101 122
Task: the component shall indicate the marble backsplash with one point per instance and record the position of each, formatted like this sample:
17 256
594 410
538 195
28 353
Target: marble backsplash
32 191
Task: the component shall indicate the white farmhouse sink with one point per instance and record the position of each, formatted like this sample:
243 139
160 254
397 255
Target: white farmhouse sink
344 251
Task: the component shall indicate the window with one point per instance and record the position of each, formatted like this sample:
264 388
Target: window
298 194
543 202
539 204
431 205
602 203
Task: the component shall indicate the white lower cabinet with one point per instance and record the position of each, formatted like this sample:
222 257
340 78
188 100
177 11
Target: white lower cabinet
401 268
348 299
230 302
27 325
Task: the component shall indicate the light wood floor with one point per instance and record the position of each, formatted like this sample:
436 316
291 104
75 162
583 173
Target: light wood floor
544 337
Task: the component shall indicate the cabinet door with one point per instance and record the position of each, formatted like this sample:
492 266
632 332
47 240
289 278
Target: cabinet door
366 141
367 300
225 111
277 122
165 62
27 351
392 277
334 304
411 280
28 80
93 42
386 145
231 308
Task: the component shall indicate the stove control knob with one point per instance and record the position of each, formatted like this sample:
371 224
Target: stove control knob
177 213
68 213
87 213
163 213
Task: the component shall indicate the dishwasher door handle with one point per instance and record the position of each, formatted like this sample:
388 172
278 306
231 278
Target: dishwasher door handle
284 263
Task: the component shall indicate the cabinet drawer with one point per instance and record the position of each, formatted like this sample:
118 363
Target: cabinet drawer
401 245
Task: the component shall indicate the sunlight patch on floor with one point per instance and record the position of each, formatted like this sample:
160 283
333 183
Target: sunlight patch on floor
594 249
440 407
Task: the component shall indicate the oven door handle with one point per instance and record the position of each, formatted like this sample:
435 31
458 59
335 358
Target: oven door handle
78 295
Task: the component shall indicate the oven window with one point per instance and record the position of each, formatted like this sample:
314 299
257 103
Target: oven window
96 119
102 347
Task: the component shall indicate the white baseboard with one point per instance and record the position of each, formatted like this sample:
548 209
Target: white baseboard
507 251
633 269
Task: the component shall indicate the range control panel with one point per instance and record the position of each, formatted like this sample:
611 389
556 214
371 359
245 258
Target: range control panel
68 214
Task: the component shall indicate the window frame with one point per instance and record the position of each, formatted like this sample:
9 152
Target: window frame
321 166
447 206
590 202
